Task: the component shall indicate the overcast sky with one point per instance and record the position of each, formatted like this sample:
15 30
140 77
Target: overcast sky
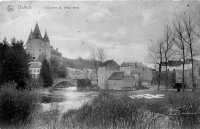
123 29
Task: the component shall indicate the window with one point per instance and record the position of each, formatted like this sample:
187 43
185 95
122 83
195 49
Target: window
39 50
40 43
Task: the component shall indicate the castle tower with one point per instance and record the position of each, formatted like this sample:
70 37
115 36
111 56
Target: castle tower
37 34
37 46
46 37
46 42
30 36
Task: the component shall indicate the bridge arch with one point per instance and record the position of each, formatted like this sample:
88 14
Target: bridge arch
66 82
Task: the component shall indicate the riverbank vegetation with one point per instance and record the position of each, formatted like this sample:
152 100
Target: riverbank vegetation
106 111
14 63
17 107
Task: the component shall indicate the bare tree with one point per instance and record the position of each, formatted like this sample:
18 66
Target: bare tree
179 36
101 55
156 55
190 26
167 50
96 63
98 57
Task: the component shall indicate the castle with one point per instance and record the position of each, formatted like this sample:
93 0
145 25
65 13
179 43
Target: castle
39 47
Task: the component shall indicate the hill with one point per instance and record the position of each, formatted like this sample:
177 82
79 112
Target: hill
79 63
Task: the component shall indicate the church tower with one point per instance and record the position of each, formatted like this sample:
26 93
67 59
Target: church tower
37 46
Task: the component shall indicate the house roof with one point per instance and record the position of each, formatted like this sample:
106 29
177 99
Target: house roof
135 64
110 63
35 65
117 76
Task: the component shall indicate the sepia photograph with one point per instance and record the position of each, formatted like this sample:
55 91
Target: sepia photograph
116 64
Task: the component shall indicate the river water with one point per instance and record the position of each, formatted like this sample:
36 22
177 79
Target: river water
68 98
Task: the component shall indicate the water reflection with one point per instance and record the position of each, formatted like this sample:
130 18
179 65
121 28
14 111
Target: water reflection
67 98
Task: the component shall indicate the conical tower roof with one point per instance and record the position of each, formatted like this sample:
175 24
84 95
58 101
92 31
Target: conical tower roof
36 33
46 37
30 36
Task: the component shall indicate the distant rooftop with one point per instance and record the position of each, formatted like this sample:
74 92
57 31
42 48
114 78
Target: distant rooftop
136 64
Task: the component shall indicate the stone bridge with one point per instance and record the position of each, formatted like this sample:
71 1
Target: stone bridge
64 82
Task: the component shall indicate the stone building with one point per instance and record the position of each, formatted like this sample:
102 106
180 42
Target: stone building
37 45
138 70
105 71
56 54
118 81
34 68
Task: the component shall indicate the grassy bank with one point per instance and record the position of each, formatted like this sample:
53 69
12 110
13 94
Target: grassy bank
110 110
17 107
107 111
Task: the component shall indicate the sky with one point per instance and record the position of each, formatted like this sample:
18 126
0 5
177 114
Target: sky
124 29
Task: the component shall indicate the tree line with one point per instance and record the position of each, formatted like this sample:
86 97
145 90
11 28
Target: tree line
180 41
15 61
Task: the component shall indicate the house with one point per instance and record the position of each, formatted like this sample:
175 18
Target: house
129 67
34 68
137 70
74 73
173 65
136 74
118 81
105 71
147 74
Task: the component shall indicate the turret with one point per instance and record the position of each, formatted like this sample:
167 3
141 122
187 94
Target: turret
30 36
36 33
46 37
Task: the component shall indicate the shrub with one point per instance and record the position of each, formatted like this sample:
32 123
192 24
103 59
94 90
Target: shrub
17 106
185 110
51 118
35 83
106 111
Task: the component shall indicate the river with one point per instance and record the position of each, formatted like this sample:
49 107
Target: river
68 98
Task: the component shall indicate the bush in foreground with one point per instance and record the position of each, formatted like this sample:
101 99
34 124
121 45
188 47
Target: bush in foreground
186 110
107 111
111 112
17 107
